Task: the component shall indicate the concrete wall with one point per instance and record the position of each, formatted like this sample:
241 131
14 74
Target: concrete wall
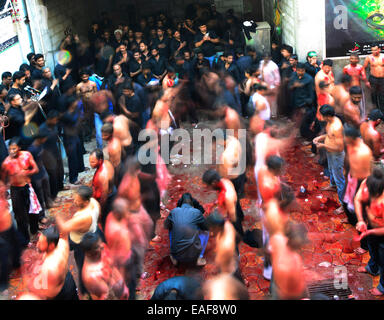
303 24
50 18
236 5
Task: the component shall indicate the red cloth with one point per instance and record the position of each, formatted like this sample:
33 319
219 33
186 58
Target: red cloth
350 192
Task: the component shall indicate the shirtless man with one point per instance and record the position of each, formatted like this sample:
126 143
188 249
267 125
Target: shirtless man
86 88
269 183
371 198
326 75
10 254
113 148
53 281
287 264
333 143
340 94
226 258
228 204
359 159
357 73
102 280
120 235
103 186
352 115
17 169
371 136
83 221
375 61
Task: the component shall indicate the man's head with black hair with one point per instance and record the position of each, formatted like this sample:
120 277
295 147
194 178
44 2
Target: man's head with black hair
212 178
83 196
107 131
48 239
91 246
275 164
375 183
376 116
96 158
327 111
19 78
351 135
297 235
356 94
215 221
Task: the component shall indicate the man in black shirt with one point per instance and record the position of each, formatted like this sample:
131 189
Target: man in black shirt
38 71
162 43
6 79
53 92
40 180
302 90
52 157
115 81
189 33
187 232
243 62
135 66
206 41
158 64
200 63
178 44
130 104
18 84
231 67
146 76
15 116
73 147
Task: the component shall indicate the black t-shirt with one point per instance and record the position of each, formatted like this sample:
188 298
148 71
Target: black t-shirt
208 47
16 122
164 52
135 105
158 67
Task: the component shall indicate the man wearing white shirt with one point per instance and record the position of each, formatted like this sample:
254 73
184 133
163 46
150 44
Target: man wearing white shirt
269 73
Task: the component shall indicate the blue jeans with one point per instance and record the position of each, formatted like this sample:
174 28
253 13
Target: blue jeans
204 237
336 166
375 264
98 125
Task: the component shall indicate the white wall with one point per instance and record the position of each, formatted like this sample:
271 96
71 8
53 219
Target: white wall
303 24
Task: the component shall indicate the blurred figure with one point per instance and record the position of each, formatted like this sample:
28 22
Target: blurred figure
54 281
288 282
225 287
82 222
102 280
179 288
104 190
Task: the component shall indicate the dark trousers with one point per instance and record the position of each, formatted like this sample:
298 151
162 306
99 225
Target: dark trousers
75 154
53 163
79 256
377 90
43 193
69 290
107 208
20 205
10 252
376 263
79 259
306 122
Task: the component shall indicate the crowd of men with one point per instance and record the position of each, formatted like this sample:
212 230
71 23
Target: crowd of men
156 75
